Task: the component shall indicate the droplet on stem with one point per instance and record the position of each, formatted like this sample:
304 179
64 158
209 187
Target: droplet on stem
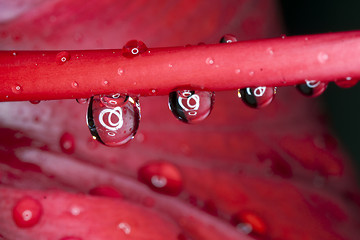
133 48
191 106
312 88
113 119
257 97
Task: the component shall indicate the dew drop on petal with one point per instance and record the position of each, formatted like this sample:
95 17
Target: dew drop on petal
67 143
134 48
82 100
27 212
62 57
250 223
120 71
125 227
35 101
17 89
347 82
161 177
257 97
105 191
228 38
191 106
14 53
113 119
311 88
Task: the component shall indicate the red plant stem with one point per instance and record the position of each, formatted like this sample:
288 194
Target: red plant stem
36 75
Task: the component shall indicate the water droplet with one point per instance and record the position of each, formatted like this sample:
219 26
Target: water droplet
170 65
125 227
105 191
191 106
14 53
237 71
120 71
209 61
133 48
67 143
322 57
348 82
270 51
70 238
35 101
27 212
17 89
62 57
257 97
283 36
250 223
105 83
113 119
82 100
228 38
312 88
75 84
251 73
75 211
161 177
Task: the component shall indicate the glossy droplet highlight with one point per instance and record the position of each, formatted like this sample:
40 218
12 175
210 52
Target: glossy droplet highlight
322 57
209 61
17 89
27 212
62 57
191 106
312 88
82 100
105 191
162 177
74 84
250 223
257 97
228 38
113 119
67 143
347 82
134 48
125 227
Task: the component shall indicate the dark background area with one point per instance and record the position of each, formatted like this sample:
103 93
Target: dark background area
343 105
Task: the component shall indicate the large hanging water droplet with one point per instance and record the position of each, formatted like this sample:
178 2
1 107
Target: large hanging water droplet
347 82
191 106
27 212
113 119
312 88
62 57
228 38
257 97
133 48
161 177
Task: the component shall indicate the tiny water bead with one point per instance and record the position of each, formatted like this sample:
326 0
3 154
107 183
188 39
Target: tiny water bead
125 227
62 57
161 177
312 88
191 106
228 38
35 101
257 97
113 119
75 84
67 143
27 212
134 48
17 89
347 82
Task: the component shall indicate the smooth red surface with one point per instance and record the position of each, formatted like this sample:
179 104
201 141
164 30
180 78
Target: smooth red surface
280 163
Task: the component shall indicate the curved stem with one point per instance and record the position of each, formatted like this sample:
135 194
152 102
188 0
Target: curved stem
38 75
